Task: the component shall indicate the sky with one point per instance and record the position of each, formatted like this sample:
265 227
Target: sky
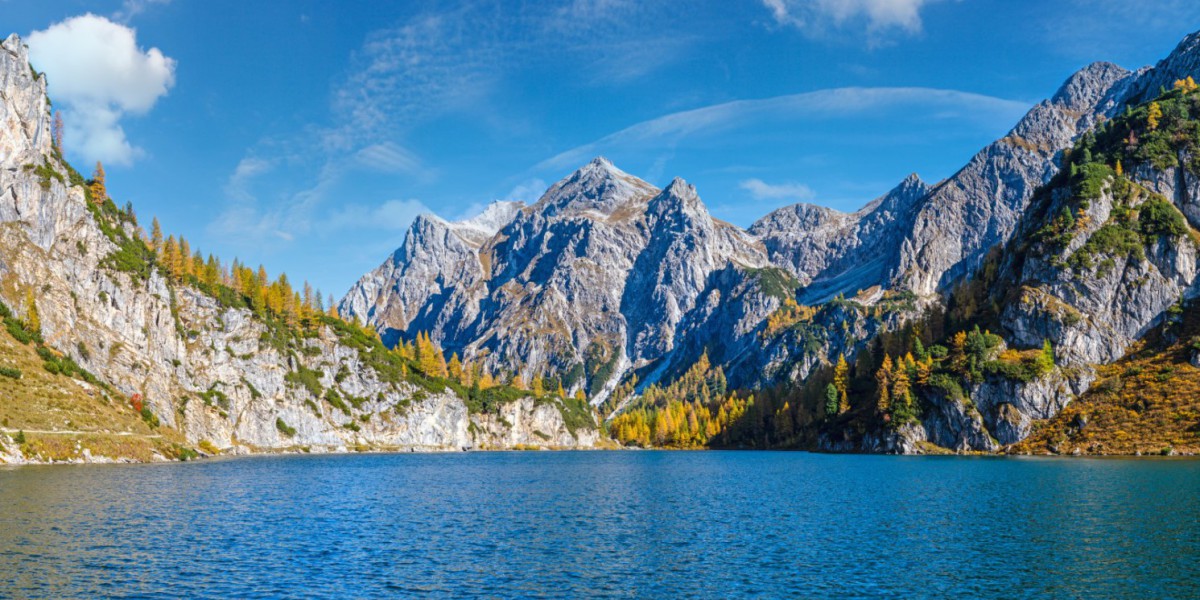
306 135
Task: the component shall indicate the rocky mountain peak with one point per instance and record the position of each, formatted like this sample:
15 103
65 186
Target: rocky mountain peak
597 186
1182 62
1085 88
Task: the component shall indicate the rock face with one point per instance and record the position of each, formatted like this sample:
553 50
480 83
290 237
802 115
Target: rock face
217 374
592 280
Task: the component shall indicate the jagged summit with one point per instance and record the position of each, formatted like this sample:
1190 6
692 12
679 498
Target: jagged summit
477 229
1183 61
597 186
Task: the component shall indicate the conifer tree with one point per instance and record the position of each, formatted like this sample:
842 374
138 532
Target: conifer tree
883 381
32 320
156 236
832 400
1155 113
98 187
841 379
58 132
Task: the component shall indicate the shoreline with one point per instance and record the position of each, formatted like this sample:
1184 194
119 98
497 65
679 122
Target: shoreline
88 460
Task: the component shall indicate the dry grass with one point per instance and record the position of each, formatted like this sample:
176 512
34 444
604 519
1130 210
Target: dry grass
1146 403
61 416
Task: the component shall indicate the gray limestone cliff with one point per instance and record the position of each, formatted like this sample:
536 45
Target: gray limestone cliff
218 374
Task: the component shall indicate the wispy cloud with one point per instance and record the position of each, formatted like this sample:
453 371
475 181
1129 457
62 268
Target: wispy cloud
100 74
393 215
438 63
878 19
528 191
671 130
132 8
247 169
388 157
761 190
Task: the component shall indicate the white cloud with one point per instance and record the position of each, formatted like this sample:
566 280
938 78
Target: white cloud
528 191
247 169
99 73
877 17
670 130
762 190
393 215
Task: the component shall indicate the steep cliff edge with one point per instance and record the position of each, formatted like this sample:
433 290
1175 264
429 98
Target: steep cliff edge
201 359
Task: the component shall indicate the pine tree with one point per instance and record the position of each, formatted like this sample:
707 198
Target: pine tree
832 401
454 368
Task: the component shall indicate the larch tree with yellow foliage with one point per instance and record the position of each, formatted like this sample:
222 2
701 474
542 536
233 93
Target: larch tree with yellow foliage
97 186
32 320
841 380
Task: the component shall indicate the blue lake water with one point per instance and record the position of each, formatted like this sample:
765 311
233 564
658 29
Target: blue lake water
604 524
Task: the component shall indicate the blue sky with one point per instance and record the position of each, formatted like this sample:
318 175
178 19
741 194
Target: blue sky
306 135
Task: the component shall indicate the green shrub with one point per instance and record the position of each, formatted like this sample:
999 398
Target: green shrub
149 417
307 379
335 400
284 428
1158 217
10 372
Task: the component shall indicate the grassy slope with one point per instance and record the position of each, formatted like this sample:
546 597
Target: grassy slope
1145 403
61 416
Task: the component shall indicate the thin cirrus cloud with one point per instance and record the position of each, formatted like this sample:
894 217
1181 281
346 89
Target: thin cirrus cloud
693 127
132 8
100 75
761 190
431 65
879 19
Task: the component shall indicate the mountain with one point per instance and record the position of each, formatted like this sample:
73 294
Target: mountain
588 283
619 289
201 361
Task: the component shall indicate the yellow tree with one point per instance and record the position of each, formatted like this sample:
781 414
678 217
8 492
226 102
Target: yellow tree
99 191
455 367
841 381
901 385
883 380
32 320
156 237
1154 115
